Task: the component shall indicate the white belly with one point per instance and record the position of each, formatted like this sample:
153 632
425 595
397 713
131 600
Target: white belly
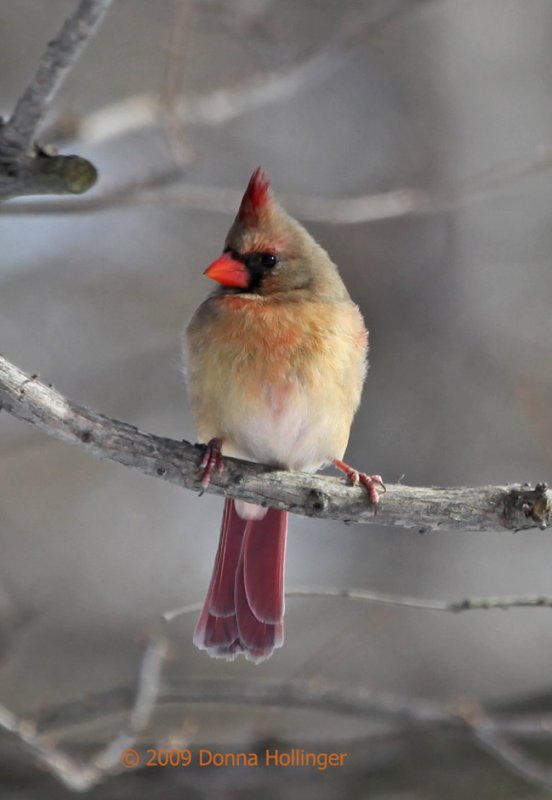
286 430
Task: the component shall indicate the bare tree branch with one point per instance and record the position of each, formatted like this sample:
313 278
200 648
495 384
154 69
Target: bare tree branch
141 111
78 775
173 125
214 108
137 191
490 731
384 599
391 204
62 52
47 174
488 735
23 170
151 191
165 188
483 508
313 694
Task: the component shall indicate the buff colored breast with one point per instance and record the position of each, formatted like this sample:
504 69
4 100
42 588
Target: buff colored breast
275 389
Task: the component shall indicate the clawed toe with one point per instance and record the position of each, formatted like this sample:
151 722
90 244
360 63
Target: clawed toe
211 462
371 482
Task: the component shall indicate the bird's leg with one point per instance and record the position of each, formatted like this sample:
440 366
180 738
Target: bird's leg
211 462
356 477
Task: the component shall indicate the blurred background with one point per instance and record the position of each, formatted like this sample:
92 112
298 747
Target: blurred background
335 100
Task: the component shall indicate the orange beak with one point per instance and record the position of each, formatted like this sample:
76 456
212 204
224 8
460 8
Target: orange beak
229 272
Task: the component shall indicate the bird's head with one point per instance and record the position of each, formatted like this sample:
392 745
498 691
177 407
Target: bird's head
268 252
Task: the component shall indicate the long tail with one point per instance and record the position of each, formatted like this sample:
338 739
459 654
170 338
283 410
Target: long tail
244 608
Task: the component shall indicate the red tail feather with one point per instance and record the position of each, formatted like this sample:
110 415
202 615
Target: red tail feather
244 607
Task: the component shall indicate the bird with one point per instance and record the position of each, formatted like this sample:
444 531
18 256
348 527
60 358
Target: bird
276 360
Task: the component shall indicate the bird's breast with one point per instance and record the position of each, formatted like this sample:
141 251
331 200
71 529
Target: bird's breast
279 383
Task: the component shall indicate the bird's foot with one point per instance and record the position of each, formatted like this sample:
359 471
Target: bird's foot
371 482
211 462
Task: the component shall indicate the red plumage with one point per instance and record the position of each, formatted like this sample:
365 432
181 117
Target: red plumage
255 198
244 607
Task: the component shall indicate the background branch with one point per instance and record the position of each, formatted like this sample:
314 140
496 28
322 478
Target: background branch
484 508
78 775
23 170
159 189
491 731
214 108
385 599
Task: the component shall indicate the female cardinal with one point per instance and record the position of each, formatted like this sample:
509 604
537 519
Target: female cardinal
277 356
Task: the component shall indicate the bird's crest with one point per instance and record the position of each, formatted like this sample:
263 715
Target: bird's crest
256 197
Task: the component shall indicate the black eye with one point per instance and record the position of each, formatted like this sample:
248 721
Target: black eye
268 260
257 262
261 260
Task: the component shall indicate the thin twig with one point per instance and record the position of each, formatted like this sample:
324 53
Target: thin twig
490 731
78 775
174 125
392 204
147 190
482 508
385 599
312 694
148 684
513 757
333 211
141 111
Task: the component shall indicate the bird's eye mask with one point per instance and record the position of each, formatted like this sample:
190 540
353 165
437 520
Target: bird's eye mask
240 271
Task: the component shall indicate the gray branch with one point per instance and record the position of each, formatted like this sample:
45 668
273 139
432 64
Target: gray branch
476 509
491 731
24 170
502 603
165 191
80 776
61 53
